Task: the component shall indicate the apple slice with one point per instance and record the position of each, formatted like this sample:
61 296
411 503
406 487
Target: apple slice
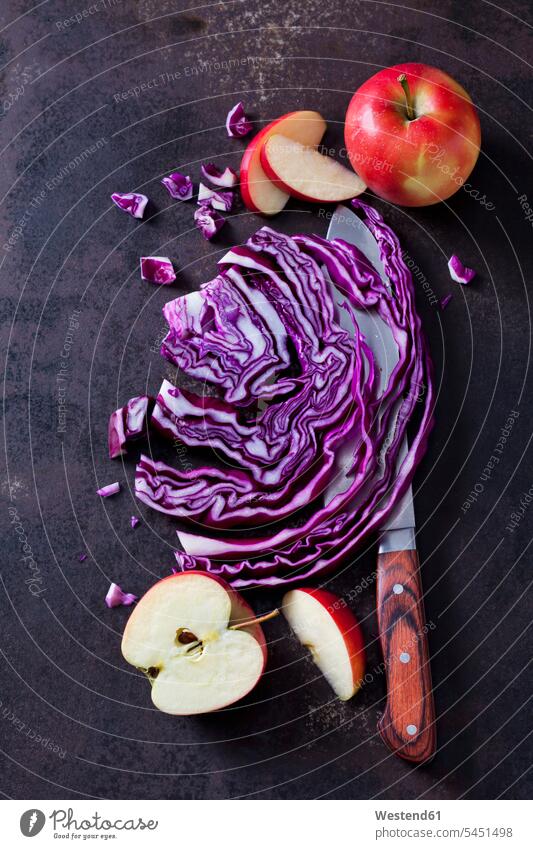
327 627
305 173
258 192
188 635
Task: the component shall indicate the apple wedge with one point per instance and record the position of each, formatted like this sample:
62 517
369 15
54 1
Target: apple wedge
304 173
189 635
327 627
258 192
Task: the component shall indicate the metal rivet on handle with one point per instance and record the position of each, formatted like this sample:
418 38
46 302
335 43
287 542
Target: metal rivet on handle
411 730
397 589
405 657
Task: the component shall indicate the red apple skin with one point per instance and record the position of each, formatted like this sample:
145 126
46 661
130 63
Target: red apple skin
254 145
412 162
349 628
240 609
250 152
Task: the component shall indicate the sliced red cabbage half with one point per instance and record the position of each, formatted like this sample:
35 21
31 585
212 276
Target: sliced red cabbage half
292 403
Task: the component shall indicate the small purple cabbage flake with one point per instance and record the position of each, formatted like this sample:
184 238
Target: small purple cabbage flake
223 179
157 269
110 489
237 124
131 202
217 199
82 557
208 220
443 303
459 272
134 521
116 597
179 186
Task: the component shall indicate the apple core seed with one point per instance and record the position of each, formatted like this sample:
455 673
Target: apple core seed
184 636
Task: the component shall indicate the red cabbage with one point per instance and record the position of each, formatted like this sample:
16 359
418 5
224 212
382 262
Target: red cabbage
82 557
128 423
134 521
298 406
115 597
179 186
157 269
443 303
459 272
109 489
237 124
131 202
226 179
218 200
208 220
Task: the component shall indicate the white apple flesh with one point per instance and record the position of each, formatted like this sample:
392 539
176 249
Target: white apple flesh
306 174
327 627
182 635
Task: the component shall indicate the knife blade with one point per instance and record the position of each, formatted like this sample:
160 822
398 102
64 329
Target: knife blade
408 722
398 531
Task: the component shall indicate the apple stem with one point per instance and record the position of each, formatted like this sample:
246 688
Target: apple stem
255 621
402 79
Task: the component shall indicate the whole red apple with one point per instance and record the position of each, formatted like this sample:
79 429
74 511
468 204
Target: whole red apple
412 134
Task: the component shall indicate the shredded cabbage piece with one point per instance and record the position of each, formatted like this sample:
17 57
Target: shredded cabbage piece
237 124
223 179
459 272
208 220
179 186
131 202
157 269
115 597
217 199
128 423
109 489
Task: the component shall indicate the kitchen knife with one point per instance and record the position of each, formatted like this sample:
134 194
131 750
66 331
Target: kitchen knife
408 723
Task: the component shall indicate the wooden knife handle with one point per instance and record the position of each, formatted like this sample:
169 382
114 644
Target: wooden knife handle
408 723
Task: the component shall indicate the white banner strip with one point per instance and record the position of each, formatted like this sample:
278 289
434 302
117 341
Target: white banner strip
266 824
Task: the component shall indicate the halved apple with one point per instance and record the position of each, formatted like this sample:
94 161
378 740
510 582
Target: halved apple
258 192
305 173
325 625
183 636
